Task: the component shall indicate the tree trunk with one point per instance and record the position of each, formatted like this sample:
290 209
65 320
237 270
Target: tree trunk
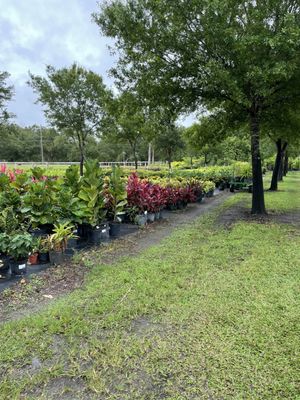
81 149
149 154
274 182
81 164
133 147
286 164
258 199
205 159
280 172
281 167
135 162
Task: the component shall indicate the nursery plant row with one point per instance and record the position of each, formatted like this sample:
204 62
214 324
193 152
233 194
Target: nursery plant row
43 216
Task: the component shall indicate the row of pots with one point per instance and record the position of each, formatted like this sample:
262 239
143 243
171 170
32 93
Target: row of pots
86 233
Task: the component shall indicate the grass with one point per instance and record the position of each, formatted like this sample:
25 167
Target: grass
210 313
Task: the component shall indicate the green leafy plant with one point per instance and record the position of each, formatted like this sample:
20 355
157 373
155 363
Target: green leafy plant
4 243
91 204
39 203
20 245
58 240
116 194
72 179
9 221
208 186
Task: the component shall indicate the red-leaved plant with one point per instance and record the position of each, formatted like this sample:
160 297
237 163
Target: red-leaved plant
144 195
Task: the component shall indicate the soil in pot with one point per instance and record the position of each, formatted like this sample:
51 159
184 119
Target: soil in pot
115 229
18 267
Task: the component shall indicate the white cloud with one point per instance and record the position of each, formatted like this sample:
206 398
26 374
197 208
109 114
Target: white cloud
35 33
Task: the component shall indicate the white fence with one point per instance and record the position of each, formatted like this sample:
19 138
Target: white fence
127 164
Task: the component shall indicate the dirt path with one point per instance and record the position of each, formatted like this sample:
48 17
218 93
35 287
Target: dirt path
154 233
28 296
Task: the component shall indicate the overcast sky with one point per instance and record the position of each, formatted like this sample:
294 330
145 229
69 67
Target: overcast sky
35 33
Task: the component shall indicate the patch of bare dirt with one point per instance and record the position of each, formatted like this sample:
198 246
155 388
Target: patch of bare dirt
32 293
241 212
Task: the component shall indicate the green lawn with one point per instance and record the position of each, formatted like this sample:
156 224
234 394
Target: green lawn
211 313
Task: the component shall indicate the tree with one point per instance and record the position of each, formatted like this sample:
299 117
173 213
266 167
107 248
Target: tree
282 127
225 54
207 134
74 99
126 122
6 94
169 141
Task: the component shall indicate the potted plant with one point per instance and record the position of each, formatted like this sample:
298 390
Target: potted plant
116 196
34 256
44 251
38 206
90 207
19 247
4 258
137 193
58 241
208 188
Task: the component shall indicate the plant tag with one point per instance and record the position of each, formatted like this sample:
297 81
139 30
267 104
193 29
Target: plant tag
22 266
103 230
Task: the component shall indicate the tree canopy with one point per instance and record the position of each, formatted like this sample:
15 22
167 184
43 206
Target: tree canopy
227 54
74 100
6 94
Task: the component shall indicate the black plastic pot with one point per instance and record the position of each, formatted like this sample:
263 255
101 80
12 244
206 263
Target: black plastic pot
72 243
151 217
157 216
84 230
18 267
99 234
180 205
44 258
57 257
210 193
42 230
4 263
141 219
171 207
115 229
